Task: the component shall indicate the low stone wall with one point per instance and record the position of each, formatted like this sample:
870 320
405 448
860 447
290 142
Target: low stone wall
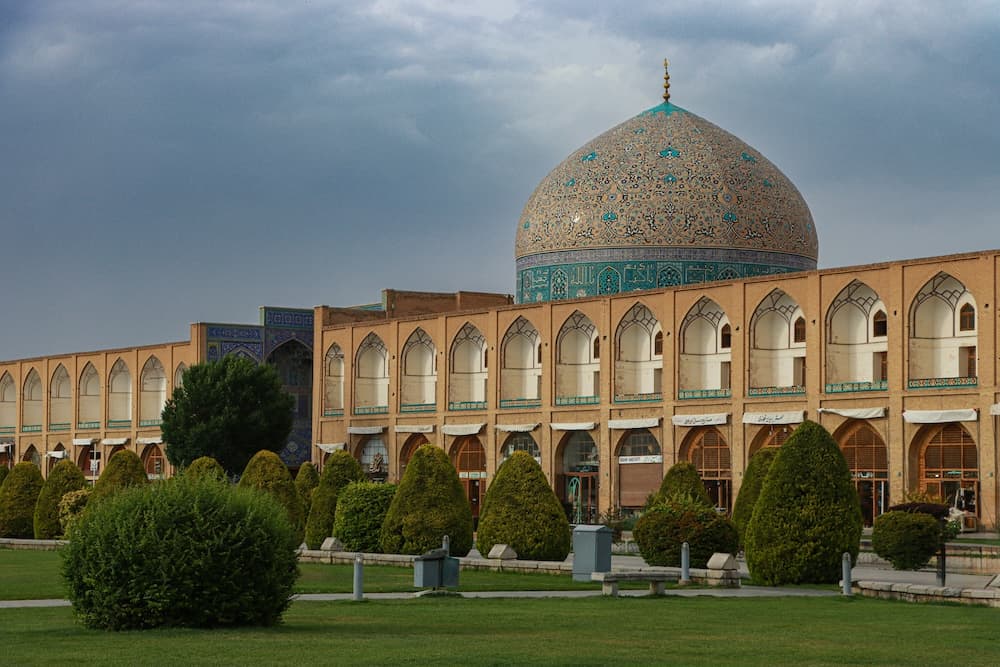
961 558
31 545
885 590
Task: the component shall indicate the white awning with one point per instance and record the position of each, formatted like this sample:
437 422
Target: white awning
995 409
5 446
414 428
700 420
856 413
114 441
648 458
152 440
793 417
939 416
516 428
462 429
573 426
84 442
625 424
332 447
365 430
58 454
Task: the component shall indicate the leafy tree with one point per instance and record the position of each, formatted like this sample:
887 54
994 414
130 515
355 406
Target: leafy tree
521 510
205 467
753 480
340 470
64 478
18 496
807 514
361 508
268 473
429 504
668 524
229 410
124 469
683 480
306 480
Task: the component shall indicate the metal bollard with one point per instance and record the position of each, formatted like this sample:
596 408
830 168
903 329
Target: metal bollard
685 564
446 545
359 566
845 574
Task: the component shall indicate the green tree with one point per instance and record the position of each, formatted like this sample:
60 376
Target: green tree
429 504
268 473
339 470
65 477
521 510
807 514
124 469
18 496
229 410
683 480
753 480
306 480
361 508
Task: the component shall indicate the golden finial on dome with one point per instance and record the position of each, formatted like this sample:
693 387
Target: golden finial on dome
666 81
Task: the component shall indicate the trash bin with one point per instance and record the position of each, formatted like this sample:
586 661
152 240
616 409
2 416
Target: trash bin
435 569
591 551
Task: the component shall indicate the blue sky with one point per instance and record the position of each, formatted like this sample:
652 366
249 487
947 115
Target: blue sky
164 162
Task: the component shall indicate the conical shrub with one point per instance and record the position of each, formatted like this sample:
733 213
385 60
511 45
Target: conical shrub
18 497
429 504
124 469
340 470
683 481
807 514
266 472
522 511
753 481
65 477
361 509
205 467
306 480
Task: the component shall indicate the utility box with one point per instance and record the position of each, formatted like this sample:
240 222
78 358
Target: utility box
435 569
591 551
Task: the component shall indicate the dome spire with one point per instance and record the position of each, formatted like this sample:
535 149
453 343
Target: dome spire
666 81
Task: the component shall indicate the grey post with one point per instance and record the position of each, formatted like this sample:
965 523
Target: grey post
359 593
685 564
446 545
845 574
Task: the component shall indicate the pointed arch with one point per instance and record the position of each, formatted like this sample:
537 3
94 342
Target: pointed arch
60 400
868 460
8 404
578 368
943 335
31 455
948 465
179 375
333 382
90 398
418 387
857 348
468 377
638 369
31 408
119 395
578 483
770 436
706 448
469 458
520 366
640 467
371 382
705 357
777 359
520 442
152 392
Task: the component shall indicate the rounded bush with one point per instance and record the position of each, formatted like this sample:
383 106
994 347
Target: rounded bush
682 480
361 508
266 472
753 481
64 478
18 496
663 528
521 510
186 553
340 470
71 507
807 515
906 539
206 467
124 469
306 480
429 504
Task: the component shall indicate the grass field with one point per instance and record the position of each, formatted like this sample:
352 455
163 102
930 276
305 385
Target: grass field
585 631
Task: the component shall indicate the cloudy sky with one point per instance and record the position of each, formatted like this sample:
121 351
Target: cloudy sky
171 161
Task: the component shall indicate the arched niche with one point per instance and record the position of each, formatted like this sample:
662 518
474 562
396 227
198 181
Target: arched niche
639 356
857 341
418 384
578 365
777 347
521 366
467 381
943 335
371 382
333 382
705 355
152 392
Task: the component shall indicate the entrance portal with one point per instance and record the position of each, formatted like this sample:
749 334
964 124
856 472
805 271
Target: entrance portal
469 459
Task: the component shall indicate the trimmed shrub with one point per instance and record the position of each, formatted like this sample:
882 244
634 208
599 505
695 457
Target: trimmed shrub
361 508
340 470
662 529
306 480
807 514
429 504
124 469
18 496
521 510
266 472
906 539
753 481
71 507
186 553
64 478
682 480
3 473
205 467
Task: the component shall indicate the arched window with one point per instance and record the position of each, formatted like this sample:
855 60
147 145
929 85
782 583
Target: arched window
867 458
880 324
708 451
371 386
726 337
658 344
179 375
638 370
467 381
90 398
31 419
333 382
857 349
375 458
152 392
942 351
578 485
419 368
597 348
777 360
967 318
949 467
120 395
800 330
578 350
60 400
521 442
640 468
705 352
8 404
520 370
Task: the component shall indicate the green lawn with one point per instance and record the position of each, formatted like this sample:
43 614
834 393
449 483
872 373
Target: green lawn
627 631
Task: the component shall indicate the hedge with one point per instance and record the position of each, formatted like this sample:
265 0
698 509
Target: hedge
663 528
18 496
906 539
361 508
339 470
64 478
